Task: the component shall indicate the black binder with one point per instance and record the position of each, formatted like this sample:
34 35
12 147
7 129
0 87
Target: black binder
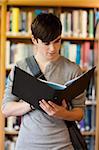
32 90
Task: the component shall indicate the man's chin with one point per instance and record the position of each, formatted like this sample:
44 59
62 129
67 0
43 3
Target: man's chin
53 58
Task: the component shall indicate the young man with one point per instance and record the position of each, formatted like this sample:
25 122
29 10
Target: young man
39 130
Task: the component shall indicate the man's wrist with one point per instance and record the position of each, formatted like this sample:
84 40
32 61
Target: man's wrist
32 107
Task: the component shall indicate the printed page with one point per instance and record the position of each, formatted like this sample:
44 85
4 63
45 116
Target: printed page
54 85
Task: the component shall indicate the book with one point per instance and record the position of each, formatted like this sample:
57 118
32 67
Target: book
63 22
83 24
15 20
32 90
76 27
91 24
57 86
54 85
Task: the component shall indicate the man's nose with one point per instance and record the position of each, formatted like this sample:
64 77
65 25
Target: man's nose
52 47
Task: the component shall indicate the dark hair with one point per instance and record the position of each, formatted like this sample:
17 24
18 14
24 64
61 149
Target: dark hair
46 27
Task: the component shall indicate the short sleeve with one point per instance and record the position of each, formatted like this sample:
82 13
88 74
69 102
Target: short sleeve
79 101
8 96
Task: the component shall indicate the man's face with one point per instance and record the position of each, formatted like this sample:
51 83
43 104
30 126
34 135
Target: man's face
50 51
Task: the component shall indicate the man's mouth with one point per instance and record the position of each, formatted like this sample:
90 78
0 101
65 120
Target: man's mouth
51 53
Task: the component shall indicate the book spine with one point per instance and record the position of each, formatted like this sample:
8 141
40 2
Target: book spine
8 21
88 113
78 54
7 54
15 20
63 21
69 17
76 29
83 24
24 21
29 18
73 52
91 23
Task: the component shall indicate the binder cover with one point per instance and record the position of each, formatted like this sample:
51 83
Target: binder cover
32 90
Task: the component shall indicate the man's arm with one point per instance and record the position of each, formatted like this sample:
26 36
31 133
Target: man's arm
15 108
12 105
61 112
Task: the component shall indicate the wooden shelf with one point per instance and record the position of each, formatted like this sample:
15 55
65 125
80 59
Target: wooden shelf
88 133
28 36
78 38
18 36
56 3
89 102
13 132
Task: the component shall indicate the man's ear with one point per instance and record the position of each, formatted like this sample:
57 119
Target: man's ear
34 40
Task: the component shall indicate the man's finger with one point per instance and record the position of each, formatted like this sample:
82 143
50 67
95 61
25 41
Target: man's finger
53 104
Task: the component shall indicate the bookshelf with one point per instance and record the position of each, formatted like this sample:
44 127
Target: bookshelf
9 36
58 6
97 97
2 66
67 3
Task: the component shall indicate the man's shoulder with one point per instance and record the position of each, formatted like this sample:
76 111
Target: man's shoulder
71 66
23 63
69 63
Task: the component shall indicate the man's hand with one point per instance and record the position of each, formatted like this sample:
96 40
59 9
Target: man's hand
53 109
62 111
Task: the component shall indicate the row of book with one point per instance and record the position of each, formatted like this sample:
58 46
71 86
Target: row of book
83 54
10 143
16 52
88 122
90 140
19 20
91 90
12 123
77 23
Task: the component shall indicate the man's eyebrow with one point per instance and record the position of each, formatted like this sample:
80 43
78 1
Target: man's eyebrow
53 41
57 39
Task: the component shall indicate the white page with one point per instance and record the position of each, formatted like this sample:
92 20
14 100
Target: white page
54 85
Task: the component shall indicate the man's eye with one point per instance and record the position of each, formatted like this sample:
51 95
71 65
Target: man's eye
46 43
57 41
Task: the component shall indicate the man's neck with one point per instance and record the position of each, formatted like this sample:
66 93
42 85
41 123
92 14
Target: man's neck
41 62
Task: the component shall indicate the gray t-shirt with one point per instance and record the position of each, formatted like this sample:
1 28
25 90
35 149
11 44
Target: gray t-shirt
39 131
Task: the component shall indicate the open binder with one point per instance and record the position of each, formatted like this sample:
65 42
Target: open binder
32 90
